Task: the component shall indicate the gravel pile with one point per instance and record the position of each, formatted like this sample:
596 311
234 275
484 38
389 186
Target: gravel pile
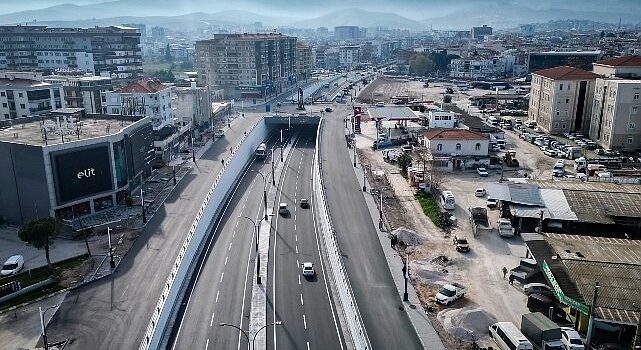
408 237
468 323
425 272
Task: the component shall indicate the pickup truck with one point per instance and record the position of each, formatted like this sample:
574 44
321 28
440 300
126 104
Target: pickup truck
505 228
450 293
541 331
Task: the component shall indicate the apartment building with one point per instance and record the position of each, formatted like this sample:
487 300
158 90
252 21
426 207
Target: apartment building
247 64
142 98
105 51
304 61
349 32
83 91
561 99
478 68
479 33
616 110
193 104
22 98
349 56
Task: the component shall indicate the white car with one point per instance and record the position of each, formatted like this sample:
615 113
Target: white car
282 209
480 192
571 339
308 269
12 266
219 133
491 203
482 172
537 288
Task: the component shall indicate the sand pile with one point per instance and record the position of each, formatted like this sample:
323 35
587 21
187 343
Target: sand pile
468 323
408 237
426 272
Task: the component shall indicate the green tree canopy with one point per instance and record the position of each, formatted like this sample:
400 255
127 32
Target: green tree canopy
41 234
421 64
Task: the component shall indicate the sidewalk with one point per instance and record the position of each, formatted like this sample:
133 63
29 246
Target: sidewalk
423 326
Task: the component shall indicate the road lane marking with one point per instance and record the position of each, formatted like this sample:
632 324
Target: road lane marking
221 277
230 243
294 227
298 279
294 217
237 223
296 238
207 344
301 299
226 258
297 263
307 345
296 249
304 321
217 295
211 322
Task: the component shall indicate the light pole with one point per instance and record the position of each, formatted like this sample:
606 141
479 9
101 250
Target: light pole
257 230
112 263
43 327
273 181
405 275
142 204
588 338
173 169
253 345
364 174
264 191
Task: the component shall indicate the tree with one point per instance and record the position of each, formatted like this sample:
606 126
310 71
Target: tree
421 64
168 57
404 161
447 99
41 234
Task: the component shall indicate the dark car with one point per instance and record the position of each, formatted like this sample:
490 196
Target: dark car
461 244
328 109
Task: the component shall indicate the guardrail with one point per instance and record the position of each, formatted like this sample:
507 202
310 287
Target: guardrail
355 326
162 316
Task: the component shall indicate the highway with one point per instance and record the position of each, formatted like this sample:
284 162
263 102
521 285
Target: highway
304 305
376 296
222 289
112 313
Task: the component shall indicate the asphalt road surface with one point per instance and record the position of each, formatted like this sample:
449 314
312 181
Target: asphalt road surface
378 301
222 292
113 313
303 304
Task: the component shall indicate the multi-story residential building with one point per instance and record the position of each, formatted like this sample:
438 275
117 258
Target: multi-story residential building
348 32
561 99
479 33
193 104
349 56
106 51
304 61
22 98
83 91
616 110
142 98
476 67
247 64
453 149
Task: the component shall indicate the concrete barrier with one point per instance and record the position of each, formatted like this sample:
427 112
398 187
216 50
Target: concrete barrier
164 314
352 316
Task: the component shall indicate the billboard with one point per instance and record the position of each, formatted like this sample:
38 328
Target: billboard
83 172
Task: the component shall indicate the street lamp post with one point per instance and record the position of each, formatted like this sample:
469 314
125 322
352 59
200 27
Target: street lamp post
273 180
43 327
253 340
588 338
142 204
112 263
364 174
257 231
264 191
173 170
405 275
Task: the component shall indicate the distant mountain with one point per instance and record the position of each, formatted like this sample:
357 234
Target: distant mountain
361 18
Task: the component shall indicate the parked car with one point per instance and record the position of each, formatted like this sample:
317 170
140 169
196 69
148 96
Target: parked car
219 133
380 104
480 192
538 288
328 109
308 269
461 244
282 209
550 152
505 228
406 148
304 203
491 203
571 339
12 266
450 293
482 172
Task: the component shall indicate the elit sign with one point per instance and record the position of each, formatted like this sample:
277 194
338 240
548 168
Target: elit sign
82 173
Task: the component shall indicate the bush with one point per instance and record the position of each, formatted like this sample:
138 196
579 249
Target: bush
447 99
429 206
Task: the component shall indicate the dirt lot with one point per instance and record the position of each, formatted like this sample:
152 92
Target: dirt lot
382 90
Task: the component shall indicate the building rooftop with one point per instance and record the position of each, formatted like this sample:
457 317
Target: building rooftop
454 134
33 132
566 73
571 53
391 113
22 83
143 86
625 61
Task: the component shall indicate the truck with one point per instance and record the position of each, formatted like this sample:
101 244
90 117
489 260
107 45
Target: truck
581 164
505 228
541 331
450 293
261 151
525 271
573 152
510 159
478 217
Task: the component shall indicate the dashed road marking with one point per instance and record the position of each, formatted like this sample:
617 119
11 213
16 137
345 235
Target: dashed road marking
307 345
298 279
226 258
304 321
301 299
217 295
297 263
296 249
207 344
230 243
221 276
296 238
211 322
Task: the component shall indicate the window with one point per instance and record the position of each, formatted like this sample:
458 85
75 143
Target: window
630 140
563 126
631 125
635 109
567 100
20 95
561 87
558 113
439 147
636 96
478 147
4 105
22 106
458 146
2 94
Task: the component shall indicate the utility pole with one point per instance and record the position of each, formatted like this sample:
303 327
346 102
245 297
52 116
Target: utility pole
142 204
364 179
637 335
405 276
112 263
273 181
588 338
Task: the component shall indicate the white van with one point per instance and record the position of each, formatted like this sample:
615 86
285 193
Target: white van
508 337
447 200
12 266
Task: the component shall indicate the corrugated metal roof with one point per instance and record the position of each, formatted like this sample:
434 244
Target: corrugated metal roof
556 205
526 194
499 191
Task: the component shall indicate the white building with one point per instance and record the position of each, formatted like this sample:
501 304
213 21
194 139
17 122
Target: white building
143 97
192 104
441 119
349 56
479 68
454 149
22 98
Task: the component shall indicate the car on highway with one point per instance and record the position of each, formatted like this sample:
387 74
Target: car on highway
12 266
282 209
482 172
304 203
480 192
571 339
308 269
491 203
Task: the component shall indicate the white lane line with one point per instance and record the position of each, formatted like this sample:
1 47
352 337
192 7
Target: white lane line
207 344
304 321
294 227
217 295
296 238
307 345
233 235
226 258
237 223
297 263
230 243
298 279
296 249
221 276
294 217
211 322
301 299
